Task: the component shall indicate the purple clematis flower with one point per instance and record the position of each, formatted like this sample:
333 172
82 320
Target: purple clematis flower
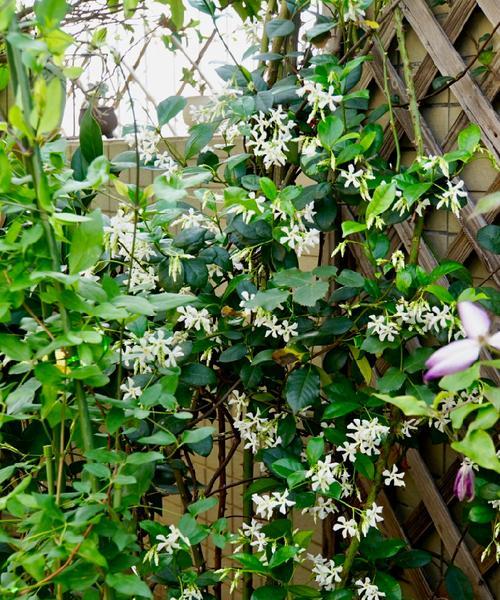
460 355
463 488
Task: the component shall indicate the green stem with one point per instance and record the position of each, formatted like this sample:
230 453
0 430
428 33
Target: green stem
49 468
410 87
392 120
415 118
370 499
247 516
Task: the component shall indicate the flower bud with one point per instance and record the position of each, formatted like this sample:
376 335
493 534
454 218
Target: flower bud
463 488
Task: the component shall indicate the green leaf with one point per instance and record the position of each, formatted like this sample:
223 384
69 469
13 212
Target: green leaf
233 353
461 380
86 243
302 388
488 238
198 375
142 458
135 305
196 435
279 28
391 381
202 505
339 409
469 138
481 514
382 200
413 559
268 187
199 136
171 106
52 115
303 591
50 13
479 447
315 449
388 585
488 203
14 347
168 301
129 585
411 406
308 295
457 584
282 555
159 438
5 172
329 131
350 227
350 279
268 299
91 145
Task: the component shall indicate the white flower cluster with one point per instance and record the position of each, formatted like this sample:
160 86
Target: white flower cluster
318 98
192 318
270 134
266 504
147 141
253 534
366 435
441 417
140 279
418 316
326 572
124 237
275 328
323 474
403 205
152 349
193 218
257 431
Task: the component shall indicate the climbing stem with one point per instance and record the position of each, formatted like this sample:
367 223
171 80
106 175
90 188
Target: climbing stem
415 119
352 549
410 87
247 516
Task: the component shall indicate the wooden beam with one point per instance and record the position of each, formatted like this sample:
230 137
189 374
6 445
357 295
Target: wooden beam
469 220
445 526
453 26
461 246
450 64
491 10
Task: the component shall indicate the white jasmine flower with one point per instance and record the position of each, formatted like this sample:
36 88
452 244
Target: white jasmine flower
323 474
394 477
352 177
371 517
450 199
367 434
141 279
130 390
368 590
172 541
297 239
318 98
383 328
348 528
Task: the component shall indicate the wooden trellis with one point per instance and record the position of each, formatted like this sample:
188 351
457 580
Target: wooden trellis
432 511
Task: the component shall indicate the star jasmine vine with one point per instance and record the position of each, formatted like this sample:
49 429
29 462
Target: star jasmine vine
205 320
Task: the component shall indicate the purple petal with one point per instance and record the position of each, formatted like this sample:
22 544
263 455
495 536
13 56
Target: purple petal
450 351
475 320
453 358
494 340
